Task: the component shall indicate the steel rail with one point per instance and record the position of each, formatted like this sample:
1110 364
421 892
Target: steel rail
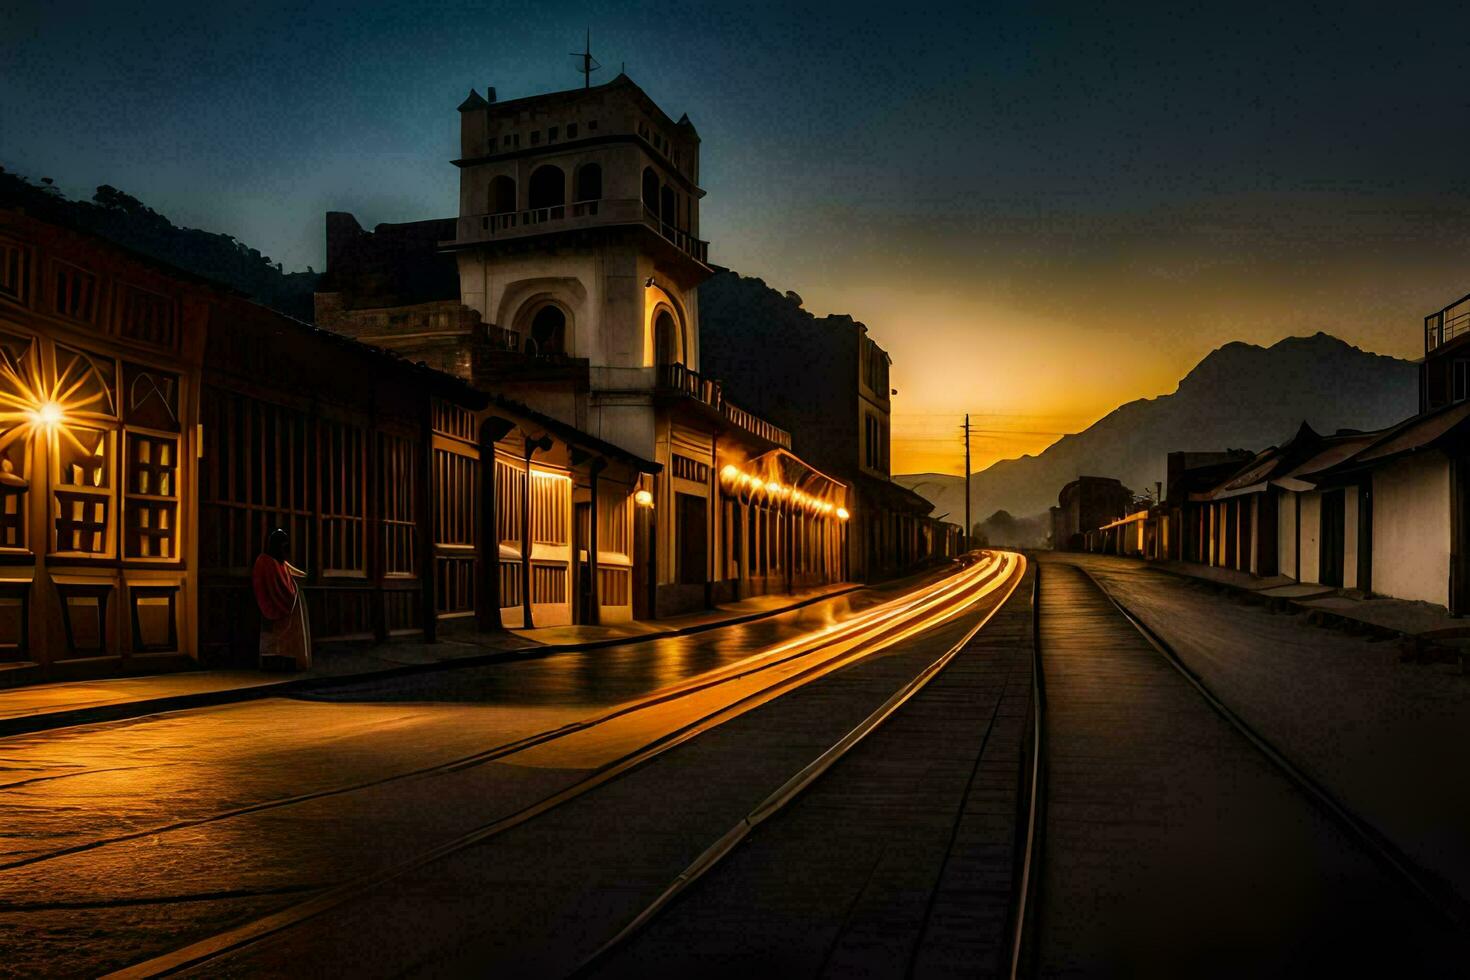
1375 842
793 787
219 945
1026 891
767 659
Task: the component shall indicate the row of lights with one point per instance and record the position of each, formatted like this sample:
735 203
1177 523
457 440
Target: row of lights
773 490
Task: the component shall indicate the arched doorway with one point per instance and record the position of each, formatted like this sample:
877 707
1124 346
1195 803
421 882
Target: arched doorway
548 332
502 195
665 339
589 182
548 190
650 190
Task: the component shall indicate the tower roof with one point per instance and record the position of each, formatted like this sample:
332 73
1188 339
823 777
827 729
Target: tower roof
473 102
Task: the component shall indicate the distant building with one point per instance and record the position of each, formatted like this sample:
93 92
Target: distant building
826 381
1086 504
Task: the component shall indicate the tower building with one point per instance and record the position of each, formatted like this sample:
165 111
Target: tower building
578 230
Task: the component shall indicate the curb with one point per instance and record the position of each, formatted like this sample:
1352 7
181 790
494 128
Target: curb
121 711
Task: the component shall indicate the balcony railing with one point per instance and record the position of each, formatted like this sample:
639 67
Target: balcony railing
1444 326
680 380
578 214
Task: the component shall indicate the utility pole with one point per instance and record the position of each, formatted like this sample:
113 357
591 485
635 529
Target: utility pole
589 63
966 538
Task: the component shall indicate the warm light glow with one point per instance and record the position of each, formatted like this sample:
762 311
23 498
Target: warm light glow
643 498
773 488
730 473
842 514
48 415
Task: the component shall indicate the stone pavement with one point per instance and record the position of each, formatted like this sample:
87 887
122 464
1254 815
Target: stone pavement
43 706
1172 847
1331 606
1388 739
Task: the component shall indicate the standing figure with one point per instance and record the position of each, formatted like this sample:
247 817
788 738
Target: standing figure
285 633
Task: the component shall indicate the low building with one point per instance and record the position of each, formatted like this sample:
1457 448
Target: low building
1086 504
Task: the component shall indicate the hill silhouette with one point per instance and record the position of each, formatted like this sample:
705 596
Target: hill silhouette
1239 396
127 221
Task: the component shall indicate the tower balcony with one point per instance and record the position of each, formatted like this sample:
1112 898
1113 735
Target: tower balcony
475 229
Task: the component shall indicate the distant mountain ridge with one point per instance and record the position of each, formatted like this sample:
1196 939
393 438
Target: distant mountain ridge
1240 396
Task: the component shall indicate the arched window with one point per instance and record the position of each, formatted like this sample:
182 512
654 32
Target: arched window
668 210
650 189
548 334
502 195
665 339
589 183
548 189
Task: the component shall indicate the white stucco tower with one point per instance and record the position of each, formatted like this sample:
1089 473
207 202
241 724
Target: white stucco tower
579 230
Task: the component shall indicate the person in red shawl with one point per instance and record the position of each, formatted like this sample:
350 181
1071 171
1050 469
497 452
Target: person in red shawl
284 631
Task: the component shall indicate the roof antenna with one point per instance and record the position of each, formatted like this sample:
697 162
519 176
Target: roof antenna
589 63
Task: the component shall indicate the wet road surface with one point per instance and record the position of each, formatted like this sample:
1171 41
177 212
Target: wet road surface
120 838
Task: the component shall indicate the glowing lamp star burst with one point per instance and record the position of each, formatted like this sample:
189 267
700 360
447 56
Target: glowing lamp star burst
48 415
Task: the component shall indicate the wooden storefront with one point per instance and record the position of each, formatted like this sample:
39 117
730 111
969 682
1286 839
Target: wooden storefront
99 382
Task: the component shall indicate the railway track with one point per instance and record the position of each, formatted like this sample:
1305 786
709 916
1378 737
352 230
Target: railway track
743 686
1026 952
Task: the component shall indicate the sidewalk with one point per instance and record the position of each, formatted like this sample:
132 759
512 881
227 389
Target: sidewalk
59 705
1324 605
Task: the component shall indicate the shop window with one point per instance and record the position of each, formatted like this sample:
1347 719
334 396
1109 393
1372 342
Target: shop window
147 317
612 524
74 292
15 272
510 487
152 497
340 449
551 499
400 529
82 501
255 476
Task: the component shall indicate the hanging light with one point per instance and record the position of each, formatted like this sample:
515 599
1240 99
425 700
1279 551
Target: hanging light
842 514
48 415
643 498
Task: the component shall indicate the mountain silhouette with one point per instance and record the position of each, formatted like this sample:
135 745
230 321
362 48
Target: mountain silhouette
1240 396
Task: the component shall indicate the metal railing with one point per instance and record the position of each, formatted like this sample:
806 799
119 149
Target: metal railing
680 380
1444 326
528 221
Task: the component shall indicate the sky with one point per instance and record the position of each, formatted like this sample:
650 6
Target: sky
1040 211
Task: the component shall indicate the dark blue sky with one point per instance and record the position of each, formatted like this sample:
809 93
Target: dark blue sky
984 184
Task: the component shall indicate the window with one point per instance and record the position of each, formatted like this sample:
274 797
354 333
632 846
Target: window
15 265
456 482
1460 380
396 493
152 507
75 292
536 137
255 476
571 131
147 317
551 499
612 525
82 500
341 453
512 140
592 126
551 134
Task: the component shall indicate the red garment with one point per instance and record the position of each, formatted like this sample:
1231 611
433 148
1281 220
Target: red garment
275 591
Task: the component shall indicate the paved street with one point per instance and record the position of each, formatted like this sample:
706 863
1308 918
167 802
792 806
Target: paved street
517 817
122 840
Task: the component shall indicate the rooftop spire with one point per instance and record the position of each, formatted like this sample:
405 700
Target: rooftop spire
589 63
